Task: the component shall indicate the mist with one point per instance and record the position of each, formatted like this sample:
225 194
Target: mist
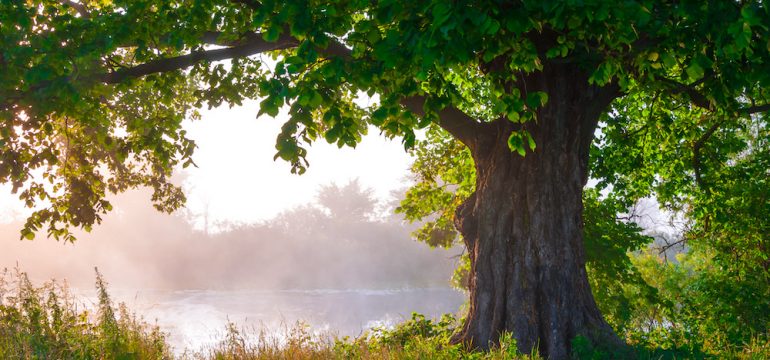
345 238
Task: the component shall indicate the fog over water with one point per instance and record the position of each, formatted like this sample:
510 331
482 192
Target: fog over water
342 263
196 318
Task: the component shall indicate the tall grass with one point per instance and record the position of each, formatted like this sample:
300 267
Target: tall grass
296 342
46 322
417 338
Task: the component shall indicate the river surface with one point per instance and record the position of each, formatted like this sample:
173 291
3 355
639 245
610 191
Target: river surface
198 318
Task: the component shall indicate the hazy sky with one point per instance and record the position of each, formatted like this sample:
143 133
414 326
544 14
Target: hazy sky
238 181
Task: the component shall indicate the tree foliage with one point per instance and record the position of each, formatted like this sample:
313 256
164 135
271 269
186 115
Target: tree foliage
93 93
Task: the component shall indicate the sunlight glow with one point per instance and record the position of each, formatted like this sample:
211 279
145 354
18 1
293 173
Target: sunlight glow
238 181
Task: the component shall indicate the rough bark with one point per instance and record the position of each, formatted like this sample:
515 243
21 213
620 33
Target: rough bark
523 225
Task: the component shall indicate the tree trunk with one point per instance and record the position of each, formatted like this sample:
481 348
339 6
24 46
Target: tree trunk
523 226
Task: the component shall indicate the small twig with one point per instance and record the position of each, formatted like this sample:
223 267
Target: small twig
664 248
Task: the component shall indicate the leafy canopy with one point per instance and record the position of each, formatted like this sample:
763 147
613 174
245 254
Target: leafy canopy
92 93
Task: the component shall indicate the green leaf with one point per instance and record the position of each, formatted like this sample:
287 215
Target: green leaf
441 12
694 71
530 140
553 52
537 99
269 107
668 60
493 27
602 74
513 116
516 143
316 100
27 234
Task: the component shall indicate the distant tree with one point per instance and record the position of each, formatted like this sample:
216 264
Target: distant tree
349 202
92 95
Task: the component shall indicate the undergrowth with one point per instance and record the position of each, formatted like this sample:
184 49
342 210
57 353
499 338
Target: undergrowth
417 338
46 322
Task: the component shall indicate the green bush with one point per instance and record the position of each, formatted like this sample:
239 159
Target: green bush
703 309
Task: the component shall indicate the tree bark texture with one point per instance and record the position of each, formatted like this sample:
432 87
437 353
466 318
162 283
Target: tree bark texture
523 226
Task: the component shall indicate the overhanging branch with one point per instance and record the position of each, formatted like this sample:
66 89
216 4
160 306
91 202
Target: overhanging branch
252 46
455 122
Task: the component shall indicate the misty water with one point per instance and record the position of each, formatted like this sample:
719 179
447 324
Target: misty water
197 318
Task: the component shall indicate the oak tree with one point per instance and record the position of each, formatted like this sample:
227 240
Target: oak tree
93 92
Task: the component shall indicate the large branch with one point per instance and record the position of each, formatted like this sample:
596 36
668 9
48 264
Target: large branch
251 46
454 121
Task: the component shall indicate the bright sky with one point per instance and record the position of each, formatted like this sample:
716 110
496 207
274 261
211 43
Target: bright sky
238 181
